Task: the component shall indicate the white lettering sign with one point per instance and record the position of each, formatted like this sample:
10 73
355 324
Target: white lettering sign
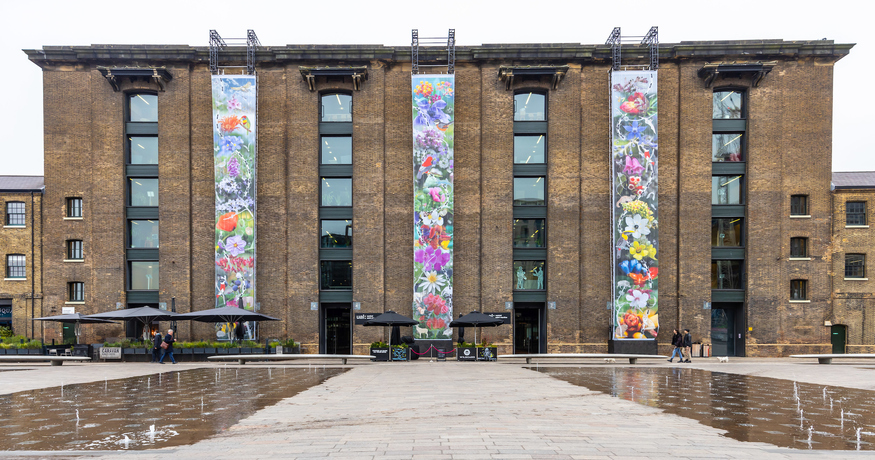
110 353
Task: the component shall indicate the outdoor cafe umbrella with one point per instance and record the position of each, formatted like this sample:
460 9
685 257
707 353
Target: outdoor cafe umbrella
144 315
75 318
226 315
476 319
390 318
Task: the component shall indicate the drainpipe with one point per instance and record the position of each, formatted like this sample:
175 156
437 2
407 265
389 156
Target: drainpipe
32 268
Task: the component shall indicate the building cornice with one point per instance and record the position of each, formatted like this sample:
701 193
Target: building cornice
546 53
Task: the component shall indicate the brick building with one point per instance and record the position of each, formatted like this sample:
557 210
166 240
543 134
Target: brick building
853 311
21 248
745 148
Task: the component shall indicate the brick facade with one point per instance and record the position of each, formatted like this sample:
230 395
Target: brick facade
789 132
24 295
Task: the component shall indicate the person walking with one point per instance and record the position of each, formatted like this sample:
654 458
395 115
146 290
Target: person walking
677 341
688 345
167 344
156 347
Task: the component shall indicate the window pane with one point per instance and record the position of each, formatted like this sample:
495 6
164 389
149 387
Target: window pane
726 147
144 276
76 291
855 213
336 234
74 249
799 205
727 104
144 192
144 234
798 290
336 274
528 233
336 150
16 266
144 107
337 107
727 232
528 191
144 150
726 189
74 207
336 192
529 275
726 274
855 265
529 107
528 149
15 213
798 247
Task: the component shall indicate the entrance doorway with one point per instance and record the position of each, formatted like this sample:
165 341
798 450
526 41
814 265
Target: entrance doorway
336 329
839 337
727 329
528 328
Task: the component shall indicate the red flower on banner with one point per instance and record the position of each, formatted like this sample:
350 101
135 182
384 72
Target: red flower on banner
435 304
635 104
434 236
436 323
227 222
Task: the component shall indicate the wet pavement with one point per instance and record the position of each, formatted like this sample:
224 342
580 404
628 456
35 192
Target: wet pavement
449 410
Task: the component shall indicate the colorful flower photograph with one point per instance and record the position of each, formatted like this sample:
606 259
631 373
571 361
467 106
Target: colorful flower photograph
635 162
433 114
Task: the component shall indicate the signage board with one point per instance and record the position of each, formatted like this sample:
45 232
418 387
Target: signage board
504 316
110 353
361 318
68 310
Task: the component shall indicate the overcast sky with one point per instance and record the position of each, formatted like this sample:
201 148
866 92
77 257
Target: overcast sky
34 24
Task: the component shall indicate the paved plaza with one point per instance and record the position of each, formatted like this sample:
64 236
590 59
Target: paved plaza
453 410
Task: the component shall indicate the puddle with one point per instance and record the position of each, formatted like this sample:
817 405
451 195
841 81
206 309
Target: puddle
161 410
748 408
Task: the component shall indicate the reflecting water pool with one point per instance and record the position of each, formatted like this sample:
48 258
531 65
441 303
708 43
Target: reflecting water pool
748 408
159 410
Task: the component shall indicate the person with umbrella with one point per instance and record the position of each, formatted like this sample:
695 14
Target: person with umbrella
167 345
156 346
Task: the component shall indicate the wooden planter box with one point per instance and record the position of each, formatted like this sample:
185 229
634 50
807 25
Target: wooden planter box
380 353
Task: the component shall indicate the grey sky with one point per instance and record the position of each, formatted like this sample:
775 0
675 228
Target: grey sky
27 25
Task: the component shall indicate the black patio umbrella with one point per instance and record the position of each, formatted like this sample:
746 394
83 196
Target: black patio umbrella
476 319
390 318
74 318
144 315
226 315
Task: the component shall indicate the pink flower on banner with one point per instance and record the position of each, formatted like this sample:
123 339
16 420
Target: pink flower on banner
234 104
633 167
436 195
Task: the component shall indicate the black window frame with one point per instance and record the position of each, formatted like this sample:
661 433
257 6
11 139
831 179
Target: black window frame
16 214
76 291
322 275
797 243
16 266
74 249
74 207
856 217
325 94
799 289
801 207
852 270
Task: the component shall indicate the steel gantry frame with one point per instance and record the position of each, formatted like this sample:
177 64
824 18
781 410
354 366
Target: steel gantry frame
416 41
218 43
651 41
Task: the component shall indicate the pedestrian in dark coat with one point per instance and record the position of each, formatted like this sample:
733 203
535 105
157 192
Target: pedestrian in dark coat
168 350
688 345
156 347
677 341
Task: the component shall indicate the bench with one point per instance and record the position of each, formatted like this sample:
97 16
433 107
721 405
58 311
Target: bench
633 359
827 358
241 359
55 360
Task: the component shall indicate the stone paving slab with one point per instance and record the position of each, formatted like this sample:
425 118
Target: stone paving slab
452 410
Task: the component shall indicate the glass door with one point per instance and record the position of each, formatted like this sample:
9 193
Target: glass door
337 329
527 330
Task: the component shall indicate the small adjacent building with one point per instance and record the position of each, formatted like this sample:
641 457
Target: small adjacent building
21 249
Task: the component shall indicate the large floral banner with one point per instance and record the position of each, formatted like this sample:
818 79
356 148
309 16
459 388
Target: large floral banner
234 145
634 165
433 115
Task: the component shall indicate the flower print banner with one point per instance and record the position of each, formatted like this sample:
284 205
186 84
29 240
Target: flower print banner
234 145
433 115
634 165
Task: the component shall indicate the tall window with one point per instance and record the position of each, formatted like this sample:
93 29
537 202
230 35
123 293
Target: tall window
799 205
726 189
798 247
74 207
74 250
798 289
15 214
16 266
336 108
855 265
855 213
335 198
76 291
